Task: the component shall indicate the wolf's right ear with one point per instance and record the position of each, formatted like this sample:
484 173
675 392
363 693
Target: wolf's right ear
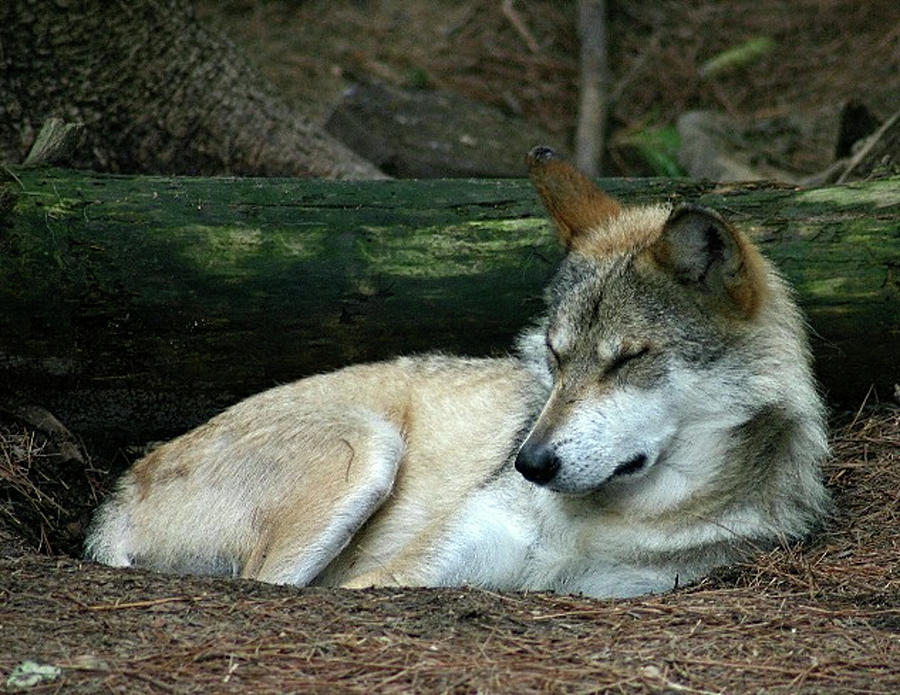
573 201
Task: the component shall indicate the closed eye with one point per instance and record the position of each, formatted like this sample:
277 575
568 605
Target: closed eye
624 358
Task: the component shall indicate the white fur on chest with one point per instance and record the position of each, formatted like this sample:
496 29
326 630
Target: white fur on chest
515 537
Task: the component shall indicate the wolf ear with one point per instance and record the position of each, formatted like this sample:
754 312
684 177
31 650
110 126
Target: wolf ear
573 201
699 249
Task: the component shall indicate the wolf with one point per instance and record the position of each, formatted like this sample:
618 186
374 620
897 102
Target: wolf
658 420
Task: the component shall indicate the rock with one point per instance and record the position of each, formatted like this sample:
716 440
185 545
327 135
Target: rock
411 133
714 147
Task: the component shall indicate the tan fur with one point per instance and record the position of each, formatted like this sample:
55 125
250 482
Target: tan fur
429 488
745 285
321 457
593 224
573 202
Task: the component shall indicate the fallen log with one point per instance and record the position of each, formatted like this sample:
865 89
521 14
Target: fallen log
135 307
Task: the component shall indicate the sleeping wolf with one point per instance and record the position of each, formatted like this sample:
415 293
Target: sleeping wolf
659 420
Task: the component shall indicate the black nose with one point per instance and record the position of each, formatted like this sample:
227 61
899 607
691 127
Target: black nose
537 463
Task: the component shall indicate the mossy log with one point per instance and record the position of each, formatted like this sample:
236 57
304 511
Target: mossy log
138 306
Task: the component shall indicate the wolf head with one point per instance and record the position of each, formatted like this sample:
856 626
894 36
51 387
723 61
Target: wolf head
670 342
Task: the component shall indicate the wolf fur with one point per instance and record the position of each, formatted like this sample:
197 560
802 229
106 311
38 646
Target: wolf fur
659 420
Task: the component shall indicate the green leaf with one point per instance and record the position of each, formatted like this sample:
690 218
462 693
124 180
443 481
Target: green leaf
659 147
737 56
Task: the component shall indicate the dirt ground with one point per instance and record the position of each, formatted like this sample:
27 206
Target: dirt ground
821 617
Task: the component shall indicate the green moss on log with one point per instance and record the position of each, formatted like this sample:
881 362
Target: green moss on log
144 304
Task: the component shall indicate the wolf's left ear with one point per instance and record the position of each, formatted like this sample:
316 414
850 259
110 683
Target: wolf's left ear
576 205
698 248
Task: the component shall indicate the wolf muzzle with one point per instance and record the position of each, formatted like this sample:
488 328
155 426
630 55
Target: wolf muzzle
539 464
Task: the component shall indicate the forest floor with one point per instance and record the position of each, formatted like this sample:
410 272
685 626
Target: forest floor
522 58
820 617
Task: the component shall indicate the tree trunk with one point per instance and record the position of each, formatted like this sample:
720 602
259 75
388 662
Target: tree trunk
141 305
593 102
156 92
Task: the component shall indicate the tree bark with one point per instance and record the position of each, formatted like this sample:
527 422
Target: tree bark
138 306
155 91
593 104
